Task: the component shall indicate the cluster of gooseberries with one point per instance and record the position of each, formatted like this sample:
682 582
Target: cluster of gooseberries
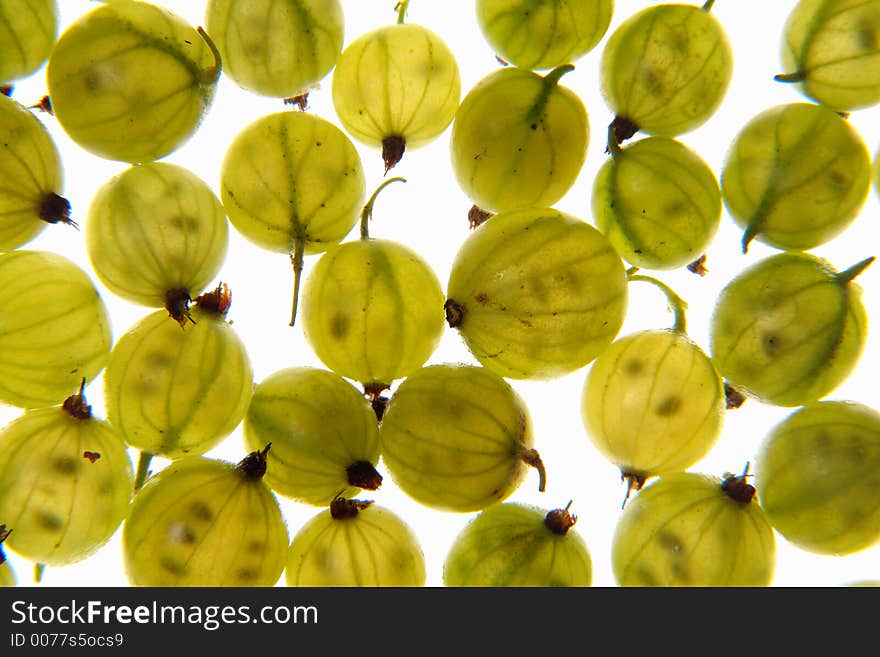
240 360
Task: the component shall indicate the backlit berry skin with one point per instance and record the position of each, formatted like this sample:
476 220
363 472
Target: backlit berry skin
511 544
519 139
368 545
276 49
51 307
148 80
653 403
830 49
63 507
543 35
789 329
667 68
28 29
817 477
796 176
685 530
537 293
204 522
31 175
454 436
178 389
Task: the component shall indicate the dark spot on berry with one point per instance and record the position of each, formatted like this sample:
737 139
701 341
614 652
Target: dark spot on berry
201 511
339 325
633 367
64 465
247 574
49 521
668 406
172 566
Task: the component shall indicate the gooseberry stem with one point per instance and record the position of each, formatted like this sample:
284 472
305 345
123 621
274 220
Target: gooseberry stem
549 83
212 73
797 76
367 212
531 457
296 259
707 6
848 275
676 303
613 146
39 569
143 470
401 7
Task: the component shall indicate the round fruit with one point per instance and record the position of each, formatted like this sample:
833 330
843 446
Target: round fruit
653 403
658 202
325 440
796 176
204 522
789 329
665 70
832 50
542 35
131 81
396 87
457 438
65 482
536 293
818 477
517 545
373 308
54 328
28 29
7 575
274 48
176 389
519 139
689 529
31 177
292 183
355 543
153 229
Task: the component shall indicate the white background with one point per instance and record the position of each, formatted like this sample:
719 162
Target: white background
429 214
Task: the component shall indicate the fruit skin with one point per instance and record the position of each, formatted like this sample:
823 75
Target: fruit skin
543 35
373 548
318 424
372 310
48 306
147 82
658 202
398 80
683 530
289 176
667 68
518 140
788 329
175 390
62 507
834 44
795 176
653 403
509 545
453 435
153 228
203 522
817 477
276 49
31 167
28 29
542 293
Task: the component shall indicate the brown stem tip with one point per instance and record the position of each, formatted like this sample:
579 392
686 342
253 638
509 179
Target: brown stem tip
393 148
362 474
342 508
622 129
698 266
254 464
477 216
216 301
634 482
76 405
559 521
734 397
55 209
454 313
177 304
301 101
736 488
